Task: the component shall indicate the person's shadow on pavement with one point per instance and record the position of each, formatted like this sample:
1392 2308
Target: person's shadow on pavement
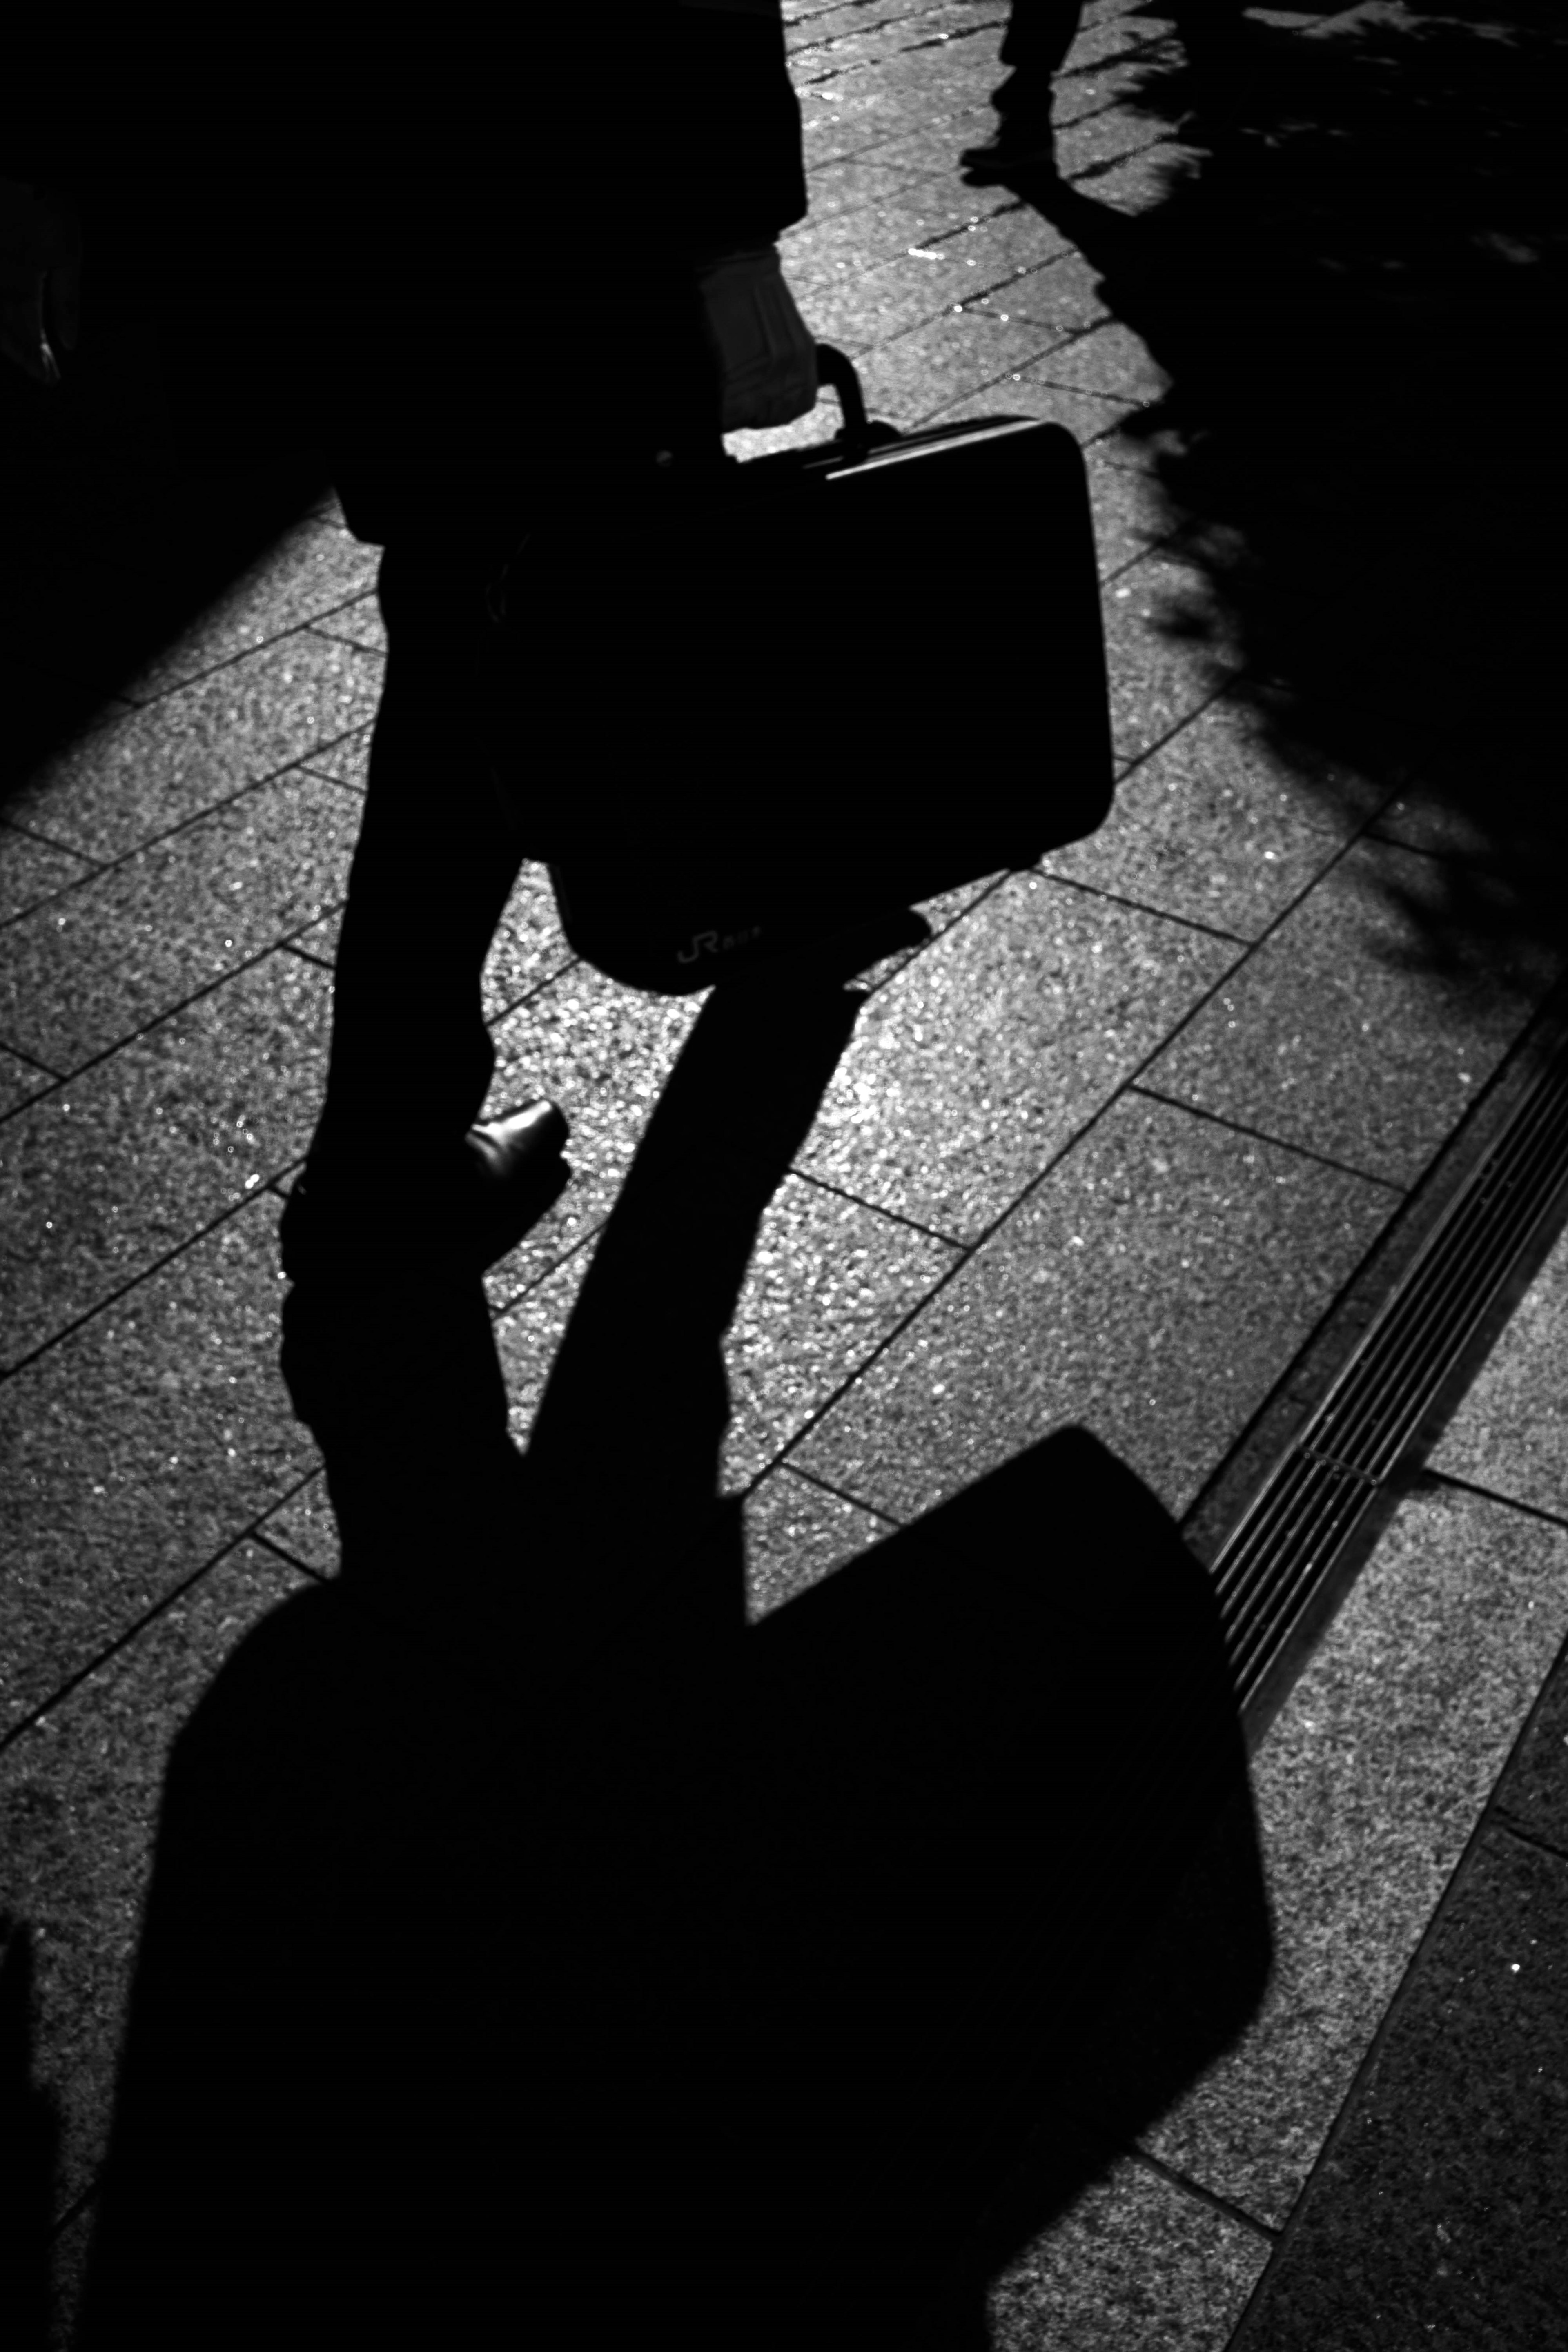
538 1950
1351 276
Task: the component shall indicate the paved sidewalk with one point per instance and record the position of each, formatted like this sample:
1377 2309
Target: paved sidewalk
1115 1147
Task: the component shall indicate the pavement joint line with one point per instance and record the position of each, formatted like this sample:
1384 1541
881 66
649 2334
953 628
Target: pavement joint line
894 1216
1139 905
1491 1817
280 1551
1205 2195
198 816
20 1053
1492 1494
144 1274
1138 1085
826 1486
133 1632
209 988
1504 1821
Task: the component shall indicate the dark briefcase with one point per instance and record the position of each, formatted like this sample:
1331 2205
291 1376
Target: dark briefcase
826 686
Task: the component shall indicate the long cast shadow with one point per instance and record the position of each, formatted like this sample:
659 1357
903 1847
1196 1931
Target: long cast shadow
536 1946
1353 282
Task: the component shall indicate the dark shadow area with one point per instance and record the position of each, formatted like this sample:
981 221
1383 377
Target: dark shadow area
539 1950
113 545
1355 284
29 2142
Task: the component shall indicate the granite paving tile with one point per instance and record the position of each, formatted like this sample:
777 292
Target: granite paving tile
1086 419
1135 2260
1510 1433
135 1155
827 1281
347 761
196 747
909 379
837 244
94 966
855 313
1064 296
314 569
1338 764
1112 360
796 1533
79 1792
1131 514
306 1527
1165 657
1342 1032
1437 2214
1099 140
67 2275
20 1081
994 1045
1232 850
935 148
1152 1288
138 1447
840 181
528 947
319 941
1005 239
1533 1790
602 1053
1368 1787
31 869
359 622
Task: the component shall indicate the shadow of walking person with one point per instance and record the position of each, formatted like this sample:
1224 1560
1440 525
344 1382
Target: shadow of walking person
1351 277
537 1948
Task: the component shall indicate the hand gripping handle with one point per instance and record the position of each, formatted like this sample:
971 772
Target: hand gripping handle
836 369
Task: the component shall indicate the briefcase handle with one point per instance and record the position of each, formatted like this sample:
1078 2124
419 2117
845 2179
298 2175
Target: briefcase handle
858 436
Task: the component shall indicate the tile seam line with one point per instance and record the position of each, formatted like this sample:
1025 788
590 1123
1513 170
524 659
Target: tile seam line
1277 1143
826 1486
1505 1823
160 1607
68 1331
970 1252
1488 1818
297 766
1201 2194
170 1013
312 626
1488 1493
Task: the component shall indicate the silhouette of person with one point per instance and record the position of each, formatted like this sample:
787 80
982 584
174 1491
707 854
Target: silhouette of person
482 313
1035 46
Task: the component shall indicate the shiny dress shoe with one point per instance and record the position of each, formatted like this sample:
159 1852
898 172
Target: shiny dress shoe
507 1173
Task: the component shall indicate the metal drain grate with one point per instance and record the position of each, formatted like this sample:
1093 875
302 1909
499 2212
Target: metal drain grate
1275 1574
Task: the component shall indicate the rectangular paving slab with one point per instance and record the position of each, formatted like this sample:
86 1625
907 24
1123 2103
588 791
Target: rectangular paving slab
1350 1031
131 1158
92 967
196 747
994 1045
139 1446
1368 1786
1152 1287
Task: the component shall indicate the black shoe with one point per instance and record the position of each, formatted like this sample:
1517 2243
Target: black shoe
1021 141
508 1173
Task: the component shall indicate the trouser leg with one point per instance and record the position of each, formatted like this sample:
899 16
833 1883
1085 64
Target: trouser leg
1040 34
438 851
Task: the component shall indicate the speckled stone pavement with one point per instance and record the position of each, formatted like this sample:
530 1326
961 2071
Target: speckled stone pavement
1114 1148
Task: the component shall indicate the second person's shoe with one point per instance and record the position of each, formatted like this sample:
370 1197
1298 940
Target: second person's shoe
1021 141
508 1172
